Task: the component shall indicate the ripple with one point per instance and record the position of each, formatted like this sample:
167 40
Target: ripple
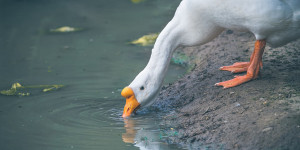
62 122
86 113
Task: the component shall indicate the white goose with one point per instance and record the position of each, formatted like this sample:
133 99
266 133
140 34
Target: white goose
196 22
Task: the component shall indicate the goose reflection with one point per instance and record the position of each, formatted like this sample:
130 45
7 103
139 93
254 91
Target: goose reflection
144 135
129 135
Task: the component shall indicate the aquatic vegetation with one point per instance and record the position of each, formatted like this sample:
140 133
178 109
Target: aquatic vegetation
146 40
13 90
51 87
16 85
65 29
180 59
137 1
17 89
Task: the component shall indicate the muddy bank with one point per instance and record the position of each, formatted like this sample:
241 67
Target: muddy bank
261 114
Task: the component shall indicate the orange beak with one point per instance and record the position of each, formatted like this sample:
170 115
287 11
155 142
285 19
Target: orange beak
131 103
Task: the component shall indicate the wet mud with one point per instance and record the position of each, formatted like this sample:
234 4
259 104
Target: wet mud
261 114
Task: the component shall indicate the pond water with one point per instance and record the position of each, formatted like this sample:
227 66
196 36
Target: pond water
94 65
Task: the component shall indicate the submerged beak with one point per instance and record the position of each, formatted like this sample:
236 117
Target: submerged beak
131 103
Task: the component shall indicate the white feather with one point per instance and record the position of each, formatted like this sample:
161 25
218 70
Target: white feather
199 21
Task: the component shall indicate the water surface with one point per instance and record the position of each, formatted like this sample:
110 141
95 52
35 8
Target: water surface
93 64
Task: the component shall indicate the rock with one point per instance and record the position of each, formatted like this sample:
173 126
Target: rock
267 129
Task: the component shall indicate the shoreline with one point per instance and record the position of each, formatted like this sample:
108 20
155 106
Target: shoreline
261 114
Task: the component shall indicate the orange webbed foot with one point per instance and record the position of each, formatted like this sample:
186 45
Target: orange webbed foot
236 67
234 82
251 67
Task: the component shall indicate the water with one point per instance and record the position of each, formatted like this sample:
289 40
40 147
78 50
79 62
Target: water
93 64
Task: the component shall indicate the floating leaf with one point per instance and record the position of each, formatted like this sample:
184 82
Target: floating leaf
16 85
12 90
54 87
137 1
16 89
65 29
146 39
9 92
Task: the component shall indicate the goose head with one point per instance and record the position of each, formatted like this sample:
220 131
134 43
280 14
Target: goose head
141 92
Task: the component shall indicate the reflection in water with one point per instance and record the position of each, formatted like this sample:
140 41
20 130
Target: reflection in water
140 135
144 133
129 135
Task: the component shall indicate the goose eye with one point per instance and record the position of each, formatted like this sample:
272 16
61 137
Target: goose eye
142 88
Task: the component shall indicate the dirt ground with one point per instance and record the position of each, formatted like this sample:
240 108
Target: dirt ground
261 114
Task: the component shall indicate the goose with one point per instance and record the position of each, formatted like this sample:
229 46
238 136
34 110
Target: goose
196 22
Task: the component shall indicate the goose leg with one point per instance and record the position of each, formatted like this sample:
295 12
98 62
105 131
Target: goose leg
239 67
251 67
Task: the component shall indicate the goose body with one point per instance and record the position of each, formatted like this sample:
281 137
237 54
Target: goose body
196 22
